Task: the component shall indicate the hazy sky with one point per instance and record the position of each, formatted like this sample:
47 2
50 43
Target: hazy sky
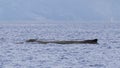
59 10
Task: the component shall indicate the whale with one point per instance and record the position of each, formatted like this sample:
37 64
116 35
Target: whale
90 41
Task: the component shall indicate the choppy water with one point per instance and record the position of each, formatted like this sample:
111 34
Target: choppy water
104 55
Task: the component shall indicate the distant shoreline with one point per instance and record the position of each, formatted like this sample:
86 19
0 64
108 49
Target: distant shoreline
53 22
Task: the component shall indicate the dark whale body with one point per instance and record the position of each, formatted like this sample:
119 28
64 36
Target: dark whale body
92 41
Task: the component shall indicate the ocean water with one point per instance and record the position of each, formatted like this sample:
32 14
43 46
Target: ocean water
106 54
